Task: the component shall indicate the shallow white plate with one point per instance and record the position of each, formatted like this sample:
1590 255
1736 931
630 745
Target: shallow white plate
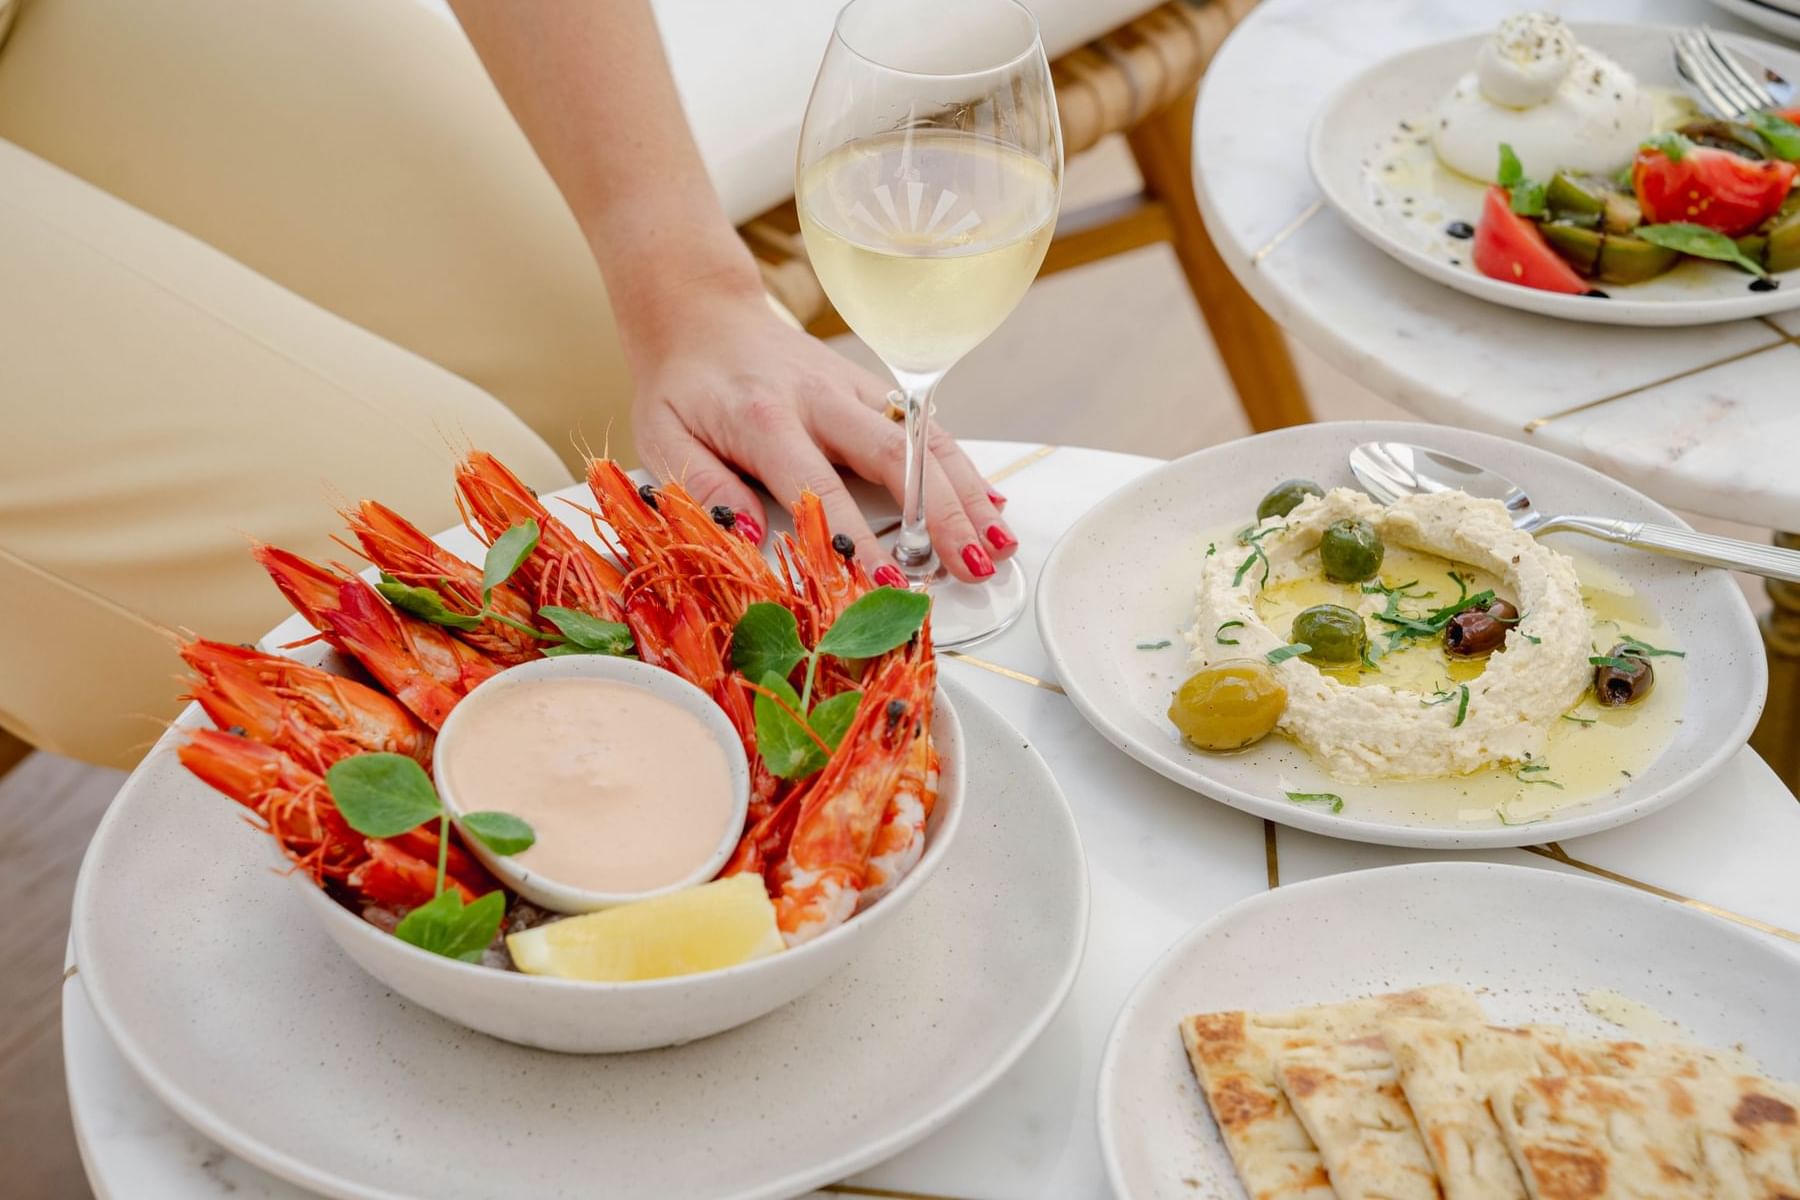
1770 16
1124 574
1361 118
240 1014
1528 941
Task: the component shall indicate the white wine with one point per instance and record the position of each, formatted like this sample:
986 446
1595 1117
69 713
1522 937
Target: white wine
926 240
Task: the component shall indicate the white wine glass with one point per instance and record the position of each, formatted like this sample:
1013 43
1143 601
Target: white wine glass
929 174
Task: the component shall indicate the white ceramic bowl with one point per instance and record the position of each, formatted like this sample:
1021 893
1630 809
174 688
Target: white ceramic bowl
664 685
594 1018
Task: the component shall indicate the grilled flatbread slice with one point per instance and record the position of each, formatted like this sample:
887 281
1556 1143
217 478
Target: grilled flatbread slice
1234 1056
1448 1069
1347 1096
1710 1136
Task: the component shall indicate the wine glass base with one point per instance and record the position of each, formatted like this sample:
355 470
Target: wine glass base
965 613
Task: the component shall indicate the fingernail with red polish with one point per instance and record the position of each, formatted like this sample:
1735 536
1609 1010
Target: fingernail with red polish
888 575
996 499
999 539
976 559
746 525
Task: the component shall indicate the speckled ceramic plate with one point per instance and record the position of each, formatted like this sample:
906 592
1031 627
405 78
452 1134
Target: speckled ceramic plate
1777 20
1358 127
1124 576
243 1017
1506 933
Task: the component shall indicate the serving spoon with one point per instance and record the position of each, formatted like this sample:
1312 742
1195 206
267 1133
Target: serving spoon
1390 470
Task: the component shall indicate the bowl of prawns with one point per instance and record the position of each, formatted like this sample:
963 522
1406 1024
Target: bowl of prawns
841 850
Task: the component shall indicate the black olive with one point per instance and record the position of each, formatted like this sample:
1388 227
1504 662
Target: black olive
843 545
1472 634
1616 686
1764 285
1460 230
647 494
723 516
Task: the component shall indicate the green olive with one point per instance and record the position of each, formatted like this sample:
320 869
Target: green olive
1351 550
1285 497
1228 705
1335 634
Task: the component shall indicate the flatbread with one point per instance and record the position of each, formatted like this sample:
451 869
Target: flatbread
1448 1069
1234 1058
1348 1098
1705 1136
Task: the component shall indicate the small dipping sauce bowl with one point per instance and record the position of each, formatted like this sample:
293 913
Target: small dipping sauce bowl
659 690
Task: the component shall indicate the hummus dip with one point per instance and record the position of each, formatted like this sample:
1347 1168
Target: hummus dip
1375 731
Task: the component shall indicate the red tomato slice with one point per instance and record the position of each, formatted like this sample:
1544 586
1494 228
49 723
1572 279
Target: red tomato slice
1710 187
1791 114
1511 248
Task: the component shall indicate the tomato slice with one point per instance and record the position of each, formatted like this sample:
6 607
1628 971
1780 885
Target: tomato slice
1511 248
1710 187
1790 114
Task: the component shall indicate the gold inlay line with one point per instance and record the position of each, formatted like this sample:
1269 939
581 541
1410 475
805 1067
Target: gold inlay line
1013 468
1271 853
1537 423
850 1189
1555 853
1008 672
1287 231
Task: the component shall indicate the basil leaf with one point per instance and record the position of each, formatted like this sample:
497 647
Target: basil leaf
1511 174
1330 800
590 633
885 618
382 795
1528 198
1283 653
1782 134
1700 242
1674 146
1162 645
1620 663
425 604
766 641
500 832
509 550
831 719
783 742
1219 633
1649 651
444 925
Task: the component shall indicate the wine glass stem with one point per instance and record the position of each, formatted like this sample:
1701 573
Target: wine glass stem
912 550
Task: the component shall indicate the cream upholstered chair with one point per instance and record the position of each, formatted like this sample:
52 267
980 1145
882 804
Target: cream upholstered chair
1121 66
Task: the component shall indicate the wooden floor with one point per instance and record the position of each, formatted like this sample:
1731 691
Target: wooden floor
1113 355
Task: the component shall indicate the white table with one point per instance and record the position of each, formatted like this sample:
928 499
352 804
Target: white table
1162 859
1706 419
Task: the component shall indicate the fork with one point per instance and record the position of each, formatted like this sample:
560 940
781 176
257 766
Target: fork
1725 85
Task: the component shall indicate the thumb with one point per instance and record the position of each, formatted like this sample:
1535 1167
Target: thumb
676 455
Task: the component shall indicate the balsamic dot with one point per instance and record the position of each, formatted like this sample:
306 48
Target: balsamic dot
1460 230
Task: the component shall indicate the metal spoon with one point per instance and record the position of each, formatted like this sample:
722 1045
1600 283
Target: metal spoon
1390 470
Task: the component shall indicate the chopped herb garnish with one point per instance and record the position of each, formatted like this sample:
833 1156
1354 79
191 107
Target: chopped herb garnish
1438 697
1629 666
1462 705
1212 548
1646 649
1533 638
1330 800
1162 645
1578 720
1219 633
1529 769
1252 538
1500 812
1282 653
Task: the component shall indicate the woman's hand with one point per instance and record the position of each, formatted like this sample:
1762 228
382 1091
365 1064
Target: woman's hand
732 387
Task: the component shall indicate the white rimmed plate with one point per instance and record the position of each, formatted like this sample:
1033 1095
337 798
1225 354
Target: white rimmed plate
241 1016
1530 942
1358 125
1777 20
1125 573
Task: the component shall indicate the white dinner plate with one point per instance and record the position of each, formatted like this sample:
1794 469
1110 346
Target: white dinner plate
1771 16
1389 104
1124 577
240 1014
1530 942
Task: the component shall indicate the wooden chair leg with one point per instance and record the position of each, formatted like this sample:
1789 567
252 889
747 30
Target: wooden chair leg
1252 345
1777 736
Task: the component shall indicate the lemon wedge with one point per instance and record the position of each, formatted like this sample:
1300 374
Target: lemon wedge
716 925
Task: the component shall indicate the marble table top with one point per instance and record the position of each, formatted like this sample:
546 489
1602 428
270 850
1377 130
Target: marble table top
1161 860
1706 419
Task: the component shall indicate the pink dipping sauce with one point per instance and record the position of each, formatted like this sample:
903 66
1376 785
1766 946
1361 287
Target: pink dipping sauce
625 791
